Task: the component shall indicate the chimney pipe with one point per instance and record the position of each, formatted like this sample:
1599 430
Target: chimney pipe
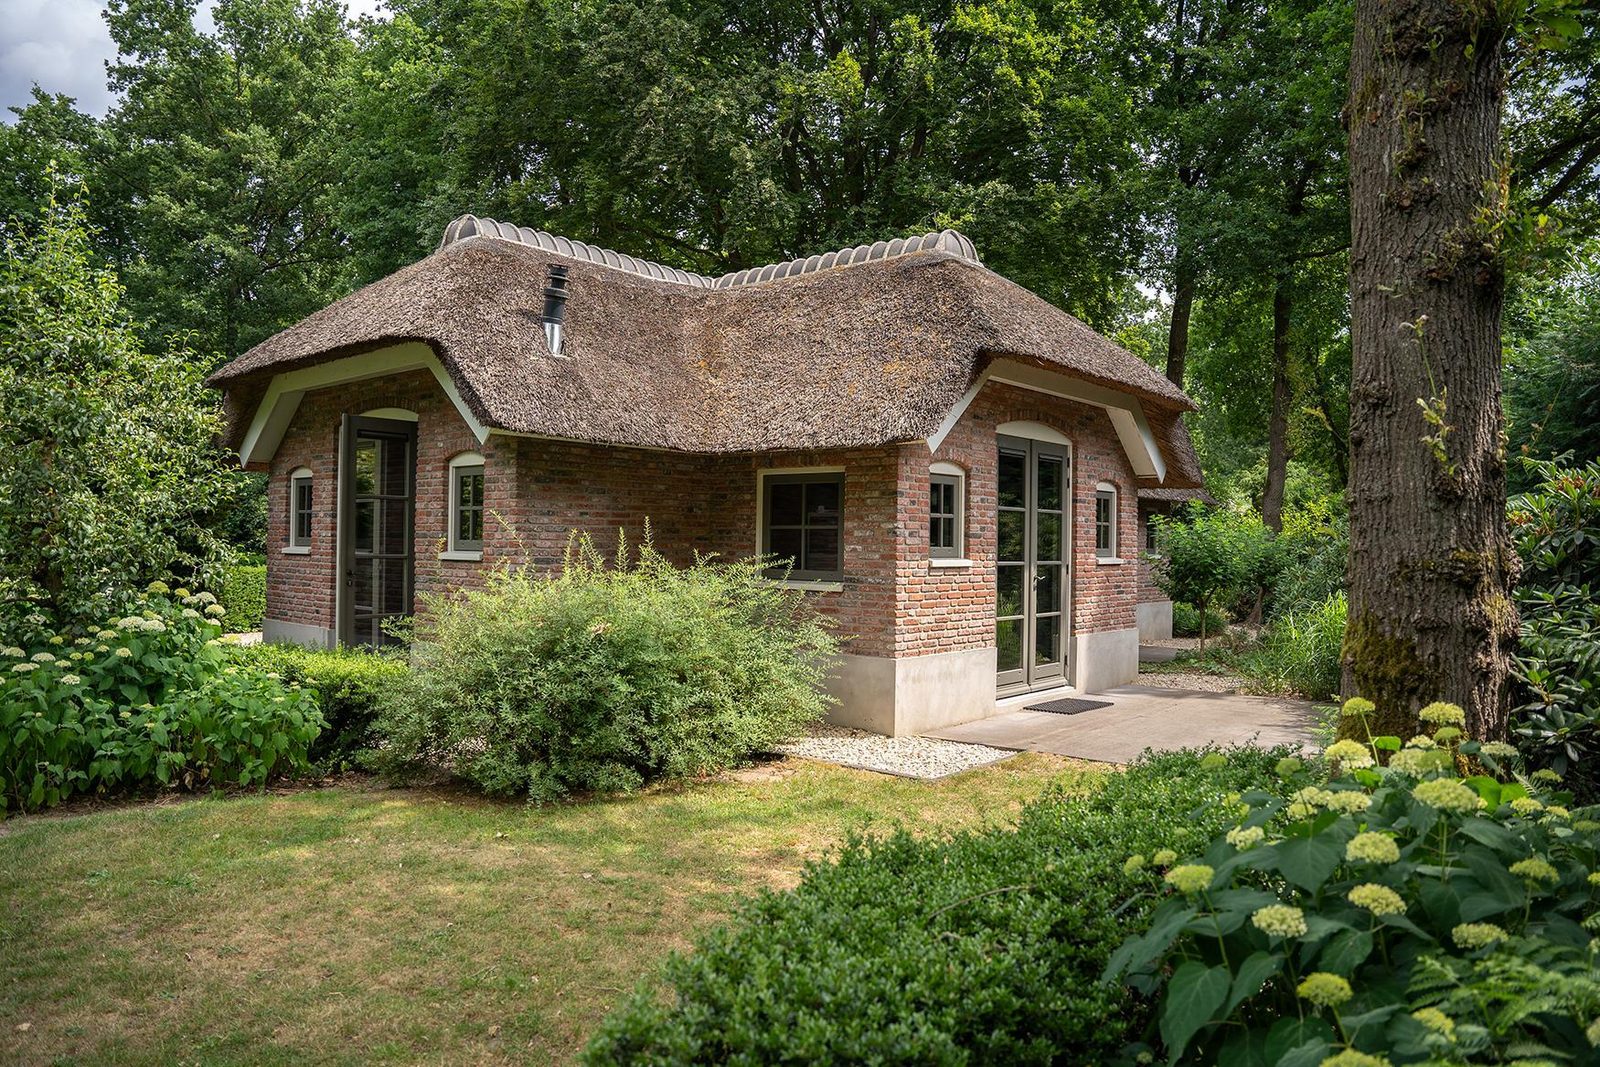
555 308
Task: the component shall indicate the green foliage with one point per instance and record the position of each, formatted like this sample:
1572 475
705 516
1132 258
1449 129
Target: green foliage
244 594
1186 621
149 699
1208 557
1553 369
352 687
1395 911
1300 651
604 677
976 948
107 452
1310 556
1557 666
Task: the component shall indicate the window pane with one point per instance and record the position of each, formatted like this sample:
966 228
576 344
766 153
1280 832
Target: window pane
1049 536
785 544
1050 481
785 503
470 526
366 467
1013 479
1008 599
935 534
1047 640
1008 644
822 504
396 524
366 525
1012 525
947 536
1047 589
822 550
396 473
302 510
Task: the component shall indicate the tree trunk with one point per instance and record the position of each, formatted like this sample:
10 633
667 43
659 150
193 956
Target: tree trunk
1182 306
1431 565
1278 421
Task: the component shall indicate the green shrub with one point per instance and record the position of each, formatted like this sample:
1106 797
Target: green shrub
1210 558
978 947
1309 558
150 699
1186 621
1300 652
1557 529
603 677
244 594
1398 912
351 684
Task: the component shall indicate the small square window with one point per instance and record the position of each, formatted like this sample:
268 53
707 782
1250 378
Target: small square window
300 514
945 507
466 508
1105 522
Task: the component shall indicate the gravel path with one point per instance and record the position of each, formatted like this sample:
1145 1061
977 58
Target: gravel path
1204 683
910 757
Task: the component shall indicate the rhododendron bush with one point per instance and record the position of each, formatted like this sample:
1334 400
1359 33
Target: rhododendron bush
1379 908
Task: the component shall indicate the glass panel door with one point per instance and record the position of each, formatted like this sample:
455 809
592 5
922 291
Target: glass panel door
1032 569
379 469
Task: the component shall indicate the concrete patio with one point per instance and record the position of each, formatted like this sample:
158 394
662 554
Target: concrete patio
1140 717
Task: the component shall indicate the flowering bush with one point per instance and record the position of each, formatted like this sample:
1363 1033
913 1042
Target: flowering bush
1386 911
148 698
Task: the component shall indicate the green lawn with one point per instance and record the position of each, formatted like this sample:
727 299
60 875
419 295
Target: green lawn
358 923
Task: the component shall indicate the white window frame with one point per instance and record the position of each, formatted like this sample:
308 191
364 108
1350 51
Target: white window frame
1107 491
956 555
455 549
815 585
294 545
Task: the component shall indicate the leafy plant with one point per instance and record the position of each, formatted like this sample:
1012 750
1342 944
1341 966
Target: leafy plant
352 686
1557 528
244 594
1187 622
1379 915
604 676
974 948
1300 652
1208 557
149 699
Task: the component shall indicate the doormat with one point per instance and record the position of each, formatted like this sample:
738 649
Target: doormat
1068 706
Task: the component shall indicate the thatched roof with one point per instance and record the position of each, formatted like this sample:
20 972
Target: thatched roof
873 347
1170 495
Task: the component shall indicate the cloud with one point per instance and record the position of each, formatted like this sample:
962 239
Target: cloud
63 46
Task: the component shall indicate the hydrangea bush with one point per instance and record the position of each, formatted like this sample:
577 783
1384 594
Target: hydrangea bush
1379 908
149 698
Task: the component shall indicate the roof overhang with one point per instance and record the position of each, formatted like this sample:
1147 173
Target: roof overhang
1126 413
282 398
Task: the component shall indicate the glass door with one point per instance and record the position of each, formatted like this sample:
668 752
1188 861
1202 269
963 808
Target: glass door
378 474
1032 573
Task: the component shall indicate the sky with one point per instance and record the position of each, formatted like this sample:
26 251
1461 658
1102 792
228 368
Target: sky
63 46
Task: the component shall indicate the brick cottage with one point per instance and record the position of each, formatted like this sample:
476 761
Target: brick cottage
950 466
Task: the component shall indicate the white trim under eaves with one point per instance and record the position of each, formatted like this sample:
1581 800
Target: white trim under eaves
284 394
1126 414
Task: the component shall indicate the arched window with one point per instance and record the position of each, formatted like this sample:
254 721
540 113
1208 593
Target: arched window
947 514
300 513
466 506
1105 521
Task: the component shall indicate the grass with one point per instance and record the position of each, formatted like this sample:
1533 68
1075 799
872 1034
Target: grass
359 924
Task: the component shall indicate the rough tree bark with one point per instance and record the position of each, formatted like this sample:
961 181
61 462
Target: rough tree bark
1182 307
1431 564
1278 419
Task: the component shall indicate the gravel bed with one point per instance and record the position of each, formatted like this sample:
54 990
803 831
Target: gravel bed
1204 683
909 757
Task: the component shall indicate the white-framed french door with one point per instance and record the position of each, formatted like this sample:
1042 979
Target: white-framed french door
1033 569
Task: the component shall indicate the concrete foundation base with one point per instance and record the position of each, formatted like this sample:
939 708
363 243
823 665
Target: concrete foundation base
297 633
1105 659
1155 620
912 695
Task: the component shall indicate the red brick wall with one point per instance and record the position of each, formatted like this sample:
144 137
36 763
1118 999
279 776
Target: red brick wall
950 609
1148 589
538 491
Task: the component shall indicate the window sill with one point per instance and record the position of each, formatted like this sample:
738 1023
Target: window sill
1109 562
461 556
945 561
296 550
809 585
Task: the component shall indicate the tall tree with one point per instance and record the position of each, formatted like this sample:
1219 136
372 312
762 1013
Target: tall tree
1431 565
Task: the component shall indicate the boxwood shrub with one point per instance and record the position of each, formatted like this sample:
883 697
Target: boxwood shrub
982 947
244 595
351 684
